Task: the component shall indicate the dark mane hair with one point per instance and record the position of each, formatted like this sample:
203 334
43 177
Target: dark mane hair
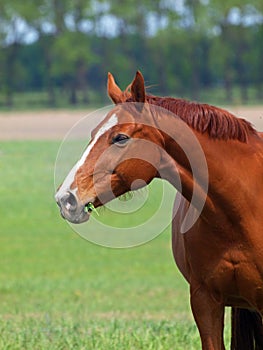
217 122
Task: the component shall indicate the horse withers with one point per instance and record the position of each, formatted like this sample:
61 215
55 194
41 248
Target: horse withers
221 252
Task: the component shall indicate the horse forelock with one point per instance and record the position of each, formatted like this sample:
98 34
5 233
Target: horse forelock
217 122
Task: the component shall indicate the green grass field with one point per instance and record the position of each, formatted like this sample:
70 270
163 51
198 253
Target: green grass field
58 291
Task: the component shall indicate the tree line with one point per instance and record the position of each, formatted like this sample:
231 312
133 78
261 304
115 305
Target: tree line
65 48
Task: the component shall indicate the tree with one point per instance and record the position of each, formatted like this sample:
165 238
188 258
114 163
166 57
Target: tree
60 45
72 60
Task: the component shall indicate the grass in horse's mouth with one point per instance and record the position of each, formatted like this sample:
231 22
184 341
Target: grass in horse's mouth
90 208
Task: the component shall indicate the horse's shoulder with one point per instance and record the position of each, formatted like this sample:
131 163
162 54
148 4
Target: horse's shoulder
181 206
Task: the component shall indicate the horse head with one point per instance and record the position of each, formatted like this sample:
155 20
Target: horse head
123 154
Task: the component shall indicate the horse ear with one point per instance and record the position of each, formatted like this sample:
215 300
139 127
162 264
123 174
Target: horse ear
114 91
138 88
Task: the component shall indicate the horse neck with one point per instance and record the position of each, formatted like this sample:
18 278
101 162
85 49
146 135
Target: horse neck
235 178
233 172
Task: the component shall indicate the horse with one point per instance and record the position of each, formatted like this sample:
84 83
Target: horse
221 253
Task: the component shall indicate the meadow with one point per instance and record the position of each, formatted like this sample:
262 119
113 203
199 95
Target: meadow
59 291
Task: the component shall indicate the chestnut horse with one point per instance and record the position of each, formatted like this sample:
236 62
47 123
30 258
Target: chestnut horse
221 254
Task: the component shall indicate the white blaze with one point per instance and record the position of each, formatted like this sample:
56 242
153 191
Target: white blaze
65 187
105 127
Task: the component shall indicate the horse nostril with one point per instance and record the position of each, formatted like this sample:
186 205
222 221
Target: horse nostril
69 202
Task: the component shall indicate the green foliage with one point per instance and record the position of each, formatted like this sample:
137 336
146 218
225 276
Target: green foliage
182 47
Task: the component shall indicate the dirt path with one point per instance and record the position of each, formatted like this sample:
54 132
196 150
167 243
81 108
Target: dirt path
39 125
53 125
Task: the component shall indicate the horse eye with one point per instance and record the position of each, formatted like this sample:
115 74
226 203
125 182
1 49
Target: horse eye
120 139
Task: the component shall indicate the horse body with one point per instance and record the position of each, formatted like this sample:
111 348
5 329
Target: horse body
221 254
222 270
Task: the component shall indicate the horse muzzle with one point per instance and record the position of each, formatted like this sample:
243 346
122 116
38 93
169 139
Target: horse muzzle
71 209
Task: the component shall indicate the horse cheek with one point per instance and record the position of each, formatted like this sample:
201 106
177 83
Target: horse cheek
141 170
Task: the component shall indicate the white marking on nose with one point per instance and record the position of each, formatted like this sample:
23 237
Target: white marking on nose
113 120
66 184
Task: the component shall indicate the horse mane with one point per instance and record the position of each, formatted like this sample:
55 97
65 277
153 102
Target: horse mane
217 122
